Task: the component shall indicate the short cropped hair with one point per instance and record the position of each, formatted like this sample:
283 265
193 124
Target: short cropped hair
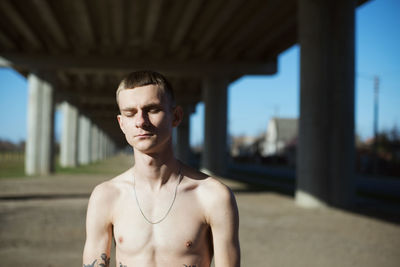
146 77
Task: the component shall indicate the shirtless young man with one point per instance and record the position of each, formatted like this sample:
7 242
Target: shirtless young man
162 212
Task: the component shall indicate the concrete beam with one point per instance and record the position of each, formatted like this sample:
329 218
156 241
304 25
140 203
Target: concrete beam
117 25
242 32
51 22
224 15
83 38
116 65
270 37
186 21
154 12
31 41
6 42
63 78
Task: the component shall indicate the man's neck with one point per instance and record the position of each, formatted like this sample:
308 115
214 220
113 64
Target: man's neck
156 169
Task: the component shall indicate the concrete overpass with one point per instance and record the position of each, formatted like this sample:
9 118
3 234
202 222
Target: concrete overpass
75 52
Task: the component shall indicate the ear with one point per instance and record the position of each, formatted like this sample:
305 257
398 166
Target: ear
178 116
121 124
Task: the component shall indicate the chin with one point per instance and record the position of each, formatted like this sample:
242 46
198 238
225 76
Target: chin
144 148
149 148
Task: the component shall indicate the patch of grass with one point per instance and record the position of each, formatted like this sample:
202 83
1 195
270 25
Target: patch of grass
14 166
110 166
12 169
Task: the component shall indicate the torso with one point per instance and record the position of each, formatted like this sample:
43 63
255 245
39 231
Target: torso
183 238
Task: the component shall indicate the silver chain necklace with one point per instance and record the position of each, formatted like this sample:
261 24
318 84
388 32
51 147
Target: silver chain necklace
170 207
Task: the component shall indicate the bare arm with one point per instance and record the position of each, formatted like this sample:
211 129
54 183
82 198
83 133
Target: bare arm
224 222
98 228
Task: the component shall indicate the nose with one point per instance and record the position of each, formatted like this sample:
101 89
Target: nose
141 119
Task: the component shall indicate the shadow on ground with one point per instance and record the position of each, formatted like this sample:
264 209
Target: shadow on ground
378 207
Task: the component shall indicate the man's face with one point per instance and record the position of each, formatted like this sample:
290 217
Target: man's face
146 118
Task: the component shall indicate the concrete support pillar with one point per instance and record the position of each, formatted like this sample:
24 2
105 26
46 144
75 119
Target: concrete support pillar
84 141
108 145
94 143
325 163
102 145
215 150
105 144
183 151
39 157
99 144
113 148
69 136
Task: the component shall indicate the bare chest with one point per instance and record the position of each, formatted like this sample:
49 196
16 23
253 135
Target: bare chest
183 234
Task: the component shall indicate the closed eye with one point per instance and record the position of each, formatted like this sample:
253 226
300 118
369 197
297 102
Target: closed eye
129 114
154 110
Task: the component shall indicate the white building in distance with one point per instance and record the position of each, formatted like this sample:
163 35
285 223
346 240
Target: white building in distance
244 146
280 132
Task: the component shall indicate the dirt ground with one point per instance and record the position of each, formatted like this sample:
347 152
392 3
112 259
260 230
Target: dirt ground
42 223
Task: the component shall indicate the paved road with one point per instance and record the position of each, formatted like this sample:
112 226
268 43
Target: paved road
42 224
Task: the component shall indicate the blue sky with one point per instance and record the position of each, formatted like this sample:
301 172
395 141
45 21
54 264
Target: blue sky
253 100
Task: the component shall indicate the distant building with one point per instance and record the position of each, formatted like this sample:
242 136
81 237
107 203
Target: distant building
244 146
281 132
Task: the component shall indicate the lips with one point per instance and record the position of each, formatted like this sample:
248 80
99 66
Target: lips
144 135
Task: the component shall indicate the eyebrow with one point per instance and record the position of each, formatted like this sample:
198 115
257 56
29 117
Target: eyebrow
147 106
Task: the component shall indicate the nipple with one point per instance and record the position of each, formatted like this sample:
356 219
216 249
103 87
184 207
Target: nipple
189 244
120 239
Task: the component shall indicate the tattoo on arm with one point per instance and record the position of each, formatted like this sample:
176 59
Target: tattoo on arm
105 263
90 265
185 265
121 265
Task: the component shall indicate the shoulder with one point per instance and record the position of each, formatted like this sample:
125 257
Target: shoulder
104 192
215 197
203 183
107 193
213 190
208 188
219 202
